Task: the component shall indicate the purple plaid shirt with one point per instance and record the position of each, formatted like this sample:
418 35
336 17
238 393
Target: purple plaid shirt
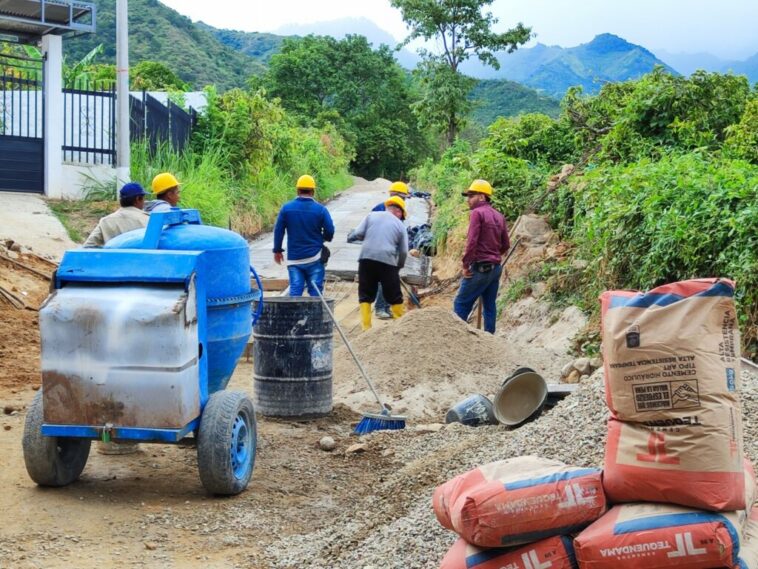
487 239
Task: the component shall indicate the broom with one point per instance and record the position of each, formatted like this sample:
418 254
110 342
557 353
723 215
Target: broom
382 421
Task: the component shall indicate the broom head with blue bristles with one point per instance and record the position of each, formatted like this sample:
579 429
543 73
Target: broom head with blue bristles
379 422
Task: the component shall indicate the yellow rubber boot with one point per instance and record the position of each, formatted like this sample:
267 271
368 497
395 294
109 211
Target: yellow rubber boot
397 310
365 315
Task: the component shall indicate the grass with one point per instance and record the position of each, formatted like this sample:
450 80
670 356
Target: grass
79 217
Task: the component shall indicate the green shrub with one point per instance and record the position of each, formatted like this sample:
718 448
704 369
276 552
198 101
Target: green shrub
263 151
742 138
685 216
533 137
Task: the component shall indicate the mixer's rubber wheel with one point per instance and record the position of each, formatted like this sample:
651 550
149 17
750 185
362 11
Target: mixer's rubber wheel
51 461
226 443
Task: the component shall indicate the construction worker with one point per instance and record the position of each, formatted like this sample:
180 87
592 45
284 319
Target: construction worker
128 217
381 306
486 243
383 254
397 189
166 189
308 225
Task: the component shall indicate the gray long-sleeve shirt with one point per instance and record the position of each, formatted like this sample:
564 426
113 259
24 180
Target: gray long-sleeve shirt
384 238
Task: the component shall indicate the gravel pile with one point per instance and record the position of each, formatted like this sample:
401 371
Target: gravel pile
393 526
409 362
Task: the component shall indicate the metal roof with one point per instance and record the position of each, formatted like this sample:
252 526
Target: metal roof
23 20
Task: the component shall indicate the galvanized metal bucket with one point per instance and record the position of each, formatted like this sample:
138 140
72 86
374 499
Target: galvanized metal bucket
521 397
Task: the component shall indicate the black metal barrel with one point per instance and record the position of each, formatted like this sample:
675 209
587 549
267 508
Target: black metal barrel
292 347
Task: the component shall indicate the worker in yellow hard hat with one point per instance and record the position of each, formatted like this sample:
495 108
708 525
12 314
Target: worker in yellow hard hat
486 243
383 254
397 190
166 189
308 225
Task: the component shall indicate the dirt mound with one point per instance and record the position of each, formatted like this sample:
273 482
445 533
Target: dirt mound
24 279
422 364
19 348
24 285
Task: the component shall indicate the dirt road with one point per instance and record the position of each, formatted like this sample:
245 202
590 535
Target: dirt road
150 510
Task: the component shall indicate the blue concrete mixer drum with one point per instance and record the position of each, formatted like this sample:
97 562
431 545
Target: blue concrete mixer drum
227 287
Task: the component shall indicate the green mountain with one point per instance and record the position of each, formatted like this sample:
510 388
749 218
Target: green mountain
503 98
553 69
158 33
259 46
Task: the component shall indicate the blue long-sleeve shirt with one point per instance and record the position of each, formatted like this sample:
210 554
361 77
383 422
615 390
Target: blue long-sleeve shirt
380 207
307 224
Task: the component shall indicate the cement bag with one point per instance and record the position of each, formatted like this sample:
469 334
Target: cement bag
672 351
653 536
749 551
551 553
696 463
522 500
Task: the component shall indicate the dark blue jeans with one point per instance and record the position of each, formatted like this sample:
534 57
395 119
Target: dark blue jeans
381 305
484 286
300 275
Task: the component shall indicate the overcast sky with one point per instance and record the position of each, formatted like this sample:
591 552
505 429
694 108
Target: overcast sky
727 28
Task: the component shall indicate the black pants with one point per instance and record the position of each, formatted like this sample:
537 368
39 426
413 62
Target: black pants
371 273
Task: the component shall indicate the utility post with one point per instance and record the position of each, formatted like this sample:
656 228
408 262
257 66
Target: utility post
123 154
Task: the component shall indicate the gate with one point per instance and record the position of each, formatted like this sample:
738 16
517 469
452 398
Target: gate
22 149
89 123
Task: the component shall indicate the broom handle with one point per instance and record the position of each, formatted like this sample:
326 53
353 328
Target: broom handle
349 347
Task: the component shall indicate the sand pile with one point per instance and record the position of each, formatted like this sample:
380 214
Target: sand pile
422 364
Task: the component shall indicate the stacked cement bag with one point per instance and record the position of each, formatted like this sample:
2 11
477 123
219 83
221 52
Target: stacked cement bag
674 448
657 536
672 376
553 552
748 558
524 500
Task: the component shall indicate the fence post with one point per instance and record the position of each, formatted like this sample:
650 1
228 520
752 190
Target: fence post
52 113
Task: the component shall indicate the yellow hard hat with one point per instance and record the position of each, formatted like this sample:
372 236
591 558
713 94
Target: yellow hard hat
396 201
306 182
400 188
480 187
164 182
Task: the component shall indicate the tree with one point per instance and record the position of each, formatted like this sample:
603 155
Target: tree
462 30
363 92
155 76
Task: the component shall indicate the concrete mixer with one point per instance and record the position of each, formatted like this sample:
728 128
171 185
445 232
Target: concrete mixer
139 340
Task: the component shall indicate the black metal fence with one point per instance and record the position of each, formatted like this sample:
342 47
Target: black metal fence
90 123
158 123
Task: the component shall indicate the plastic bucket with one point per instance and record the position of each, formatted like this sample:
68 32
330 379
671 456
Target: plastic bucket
472 411
521 397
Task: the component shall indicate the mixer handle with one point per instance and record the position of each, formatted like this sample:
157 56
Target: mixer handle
161 219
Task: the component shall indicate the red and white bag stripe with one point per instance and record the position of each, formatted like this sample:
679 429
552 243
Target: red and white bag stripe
552 553
520 500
